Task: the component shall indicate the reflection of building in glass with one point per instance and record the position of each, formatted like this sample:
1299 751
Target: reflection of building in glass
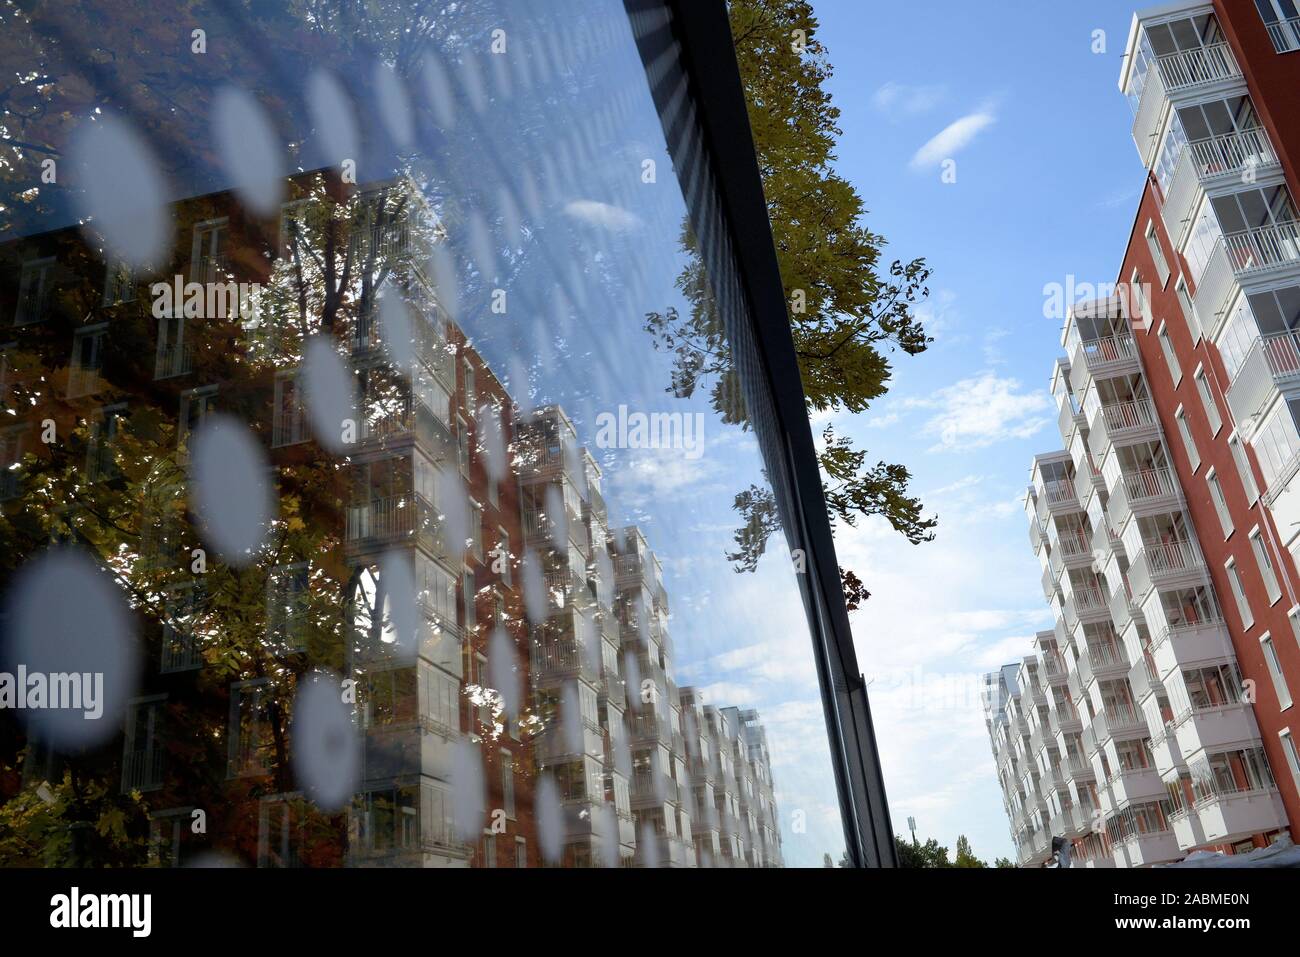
458 545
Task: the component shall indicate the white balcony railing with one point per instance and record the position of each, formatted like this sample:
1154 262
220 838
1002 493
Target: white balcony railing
1264 247
1285 34
1205 64
1169 558
1099 352
1231 152
1149 484
1129 415
1060 493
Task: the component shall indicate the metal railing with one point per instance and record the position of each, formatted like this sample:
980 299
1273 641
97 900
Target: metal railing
142 768
1172 557
1231 152
1201 65
1262 247
173 360
1108 349
1285 34
1149 483
1129 415
1060 493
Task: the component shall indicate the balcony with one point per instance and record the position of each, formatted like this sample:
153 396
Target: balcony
1143 850
1146 124
1108 356
394 520
1103 661
1136 786
1074 547
1125 422
1188 830
1120 722
142 768
1264 248
1212 290
1233 815
1191 68
562 659
1061 496
1285 34
1190 643
1164 565
1272 362
1215 729
1216 159
173 360
1150 489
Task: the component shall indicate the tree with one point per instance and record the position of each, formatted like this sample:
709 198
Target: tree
1002 862
929 854
848 312
964 856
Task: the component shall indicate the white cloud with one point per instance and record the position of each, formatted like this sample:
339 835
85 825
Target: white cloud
900 98
980 411
595 213
952 139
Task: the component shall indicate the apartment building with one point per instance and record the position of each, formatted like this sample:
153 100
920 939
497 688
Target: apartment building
488 520
1159 710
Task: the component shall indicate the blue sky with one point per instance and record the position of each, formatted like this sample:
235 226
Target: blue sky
1047 185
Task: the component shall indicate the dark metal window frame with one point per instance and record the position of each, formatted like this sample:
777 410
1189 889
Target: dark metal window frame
689 57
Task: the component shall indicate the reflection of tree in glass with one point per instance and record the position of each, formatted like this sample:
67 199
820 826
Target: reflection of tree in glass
845 313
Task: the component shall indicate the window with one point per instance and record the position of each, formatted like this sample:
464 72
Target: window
1189 310
142 756
289 418
521 852
471 394
1244 470
1220 505
1275 671
1243 606
462 445
508 783
476 530
101 458
208 252
1171 359
1207 400
35 290
286 608
1157 253
13 442
1189 444
195 406
1277 445
119 284
180 641
174 356
489 849
1283 23
87 360
1141 305
250 743
1265 565
1292 756
503 554
467 597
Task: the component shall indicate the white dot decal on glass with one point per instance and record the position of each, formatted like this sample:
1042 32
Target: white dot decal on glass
605 825
394 105
437 88
648 844
333 117
557 517
550 818
442 264
326 745
480 248
68 618
330 395
503 670
397 580
571 718
492 440
396 333
123 193
536 601
468 793
471 80
454 510
249 149
229 490
632 674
